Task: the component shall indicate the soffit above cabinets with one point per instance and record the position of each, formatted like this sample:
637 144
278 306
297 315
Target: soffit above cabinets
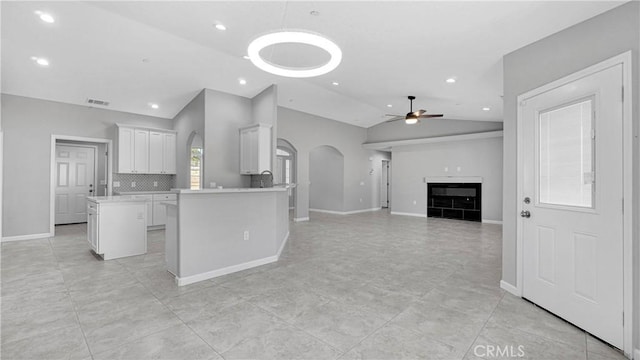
136 53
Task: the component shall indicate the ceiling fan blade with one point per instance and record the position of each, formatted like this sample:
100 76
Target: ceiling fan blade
430 116
420 112
395 119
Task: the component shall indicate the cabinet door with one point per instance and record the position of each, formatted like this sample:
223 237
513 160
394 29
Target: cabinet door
156 152
126 140
141 151
169 153
249 151
92 228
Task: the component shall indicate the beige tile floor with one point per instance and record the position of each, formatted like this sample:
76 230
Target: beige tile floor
367 286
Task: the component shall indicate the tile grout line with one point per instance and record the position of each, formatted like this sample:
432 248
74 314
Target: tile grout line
483 326
73 302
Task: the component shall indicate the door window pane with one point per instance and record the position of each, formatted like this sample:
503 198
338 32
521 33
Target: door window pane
566 153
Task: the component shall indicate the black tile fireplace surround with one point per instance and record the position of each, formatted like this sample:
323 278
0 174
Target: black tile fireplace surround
460 201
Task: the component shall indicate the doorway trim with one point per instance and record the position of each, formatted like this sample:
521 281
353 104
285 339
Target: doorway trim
52 171
627 137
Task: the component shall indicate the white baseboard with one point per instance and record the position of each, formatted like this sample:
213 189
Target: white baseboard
510 288
27 237
409 214
327 211
233 268
301 219
487 221
362 211
345 212
284 242
224 271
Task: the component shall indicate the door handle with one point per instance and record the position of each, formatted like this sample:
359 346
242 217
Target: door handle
525 214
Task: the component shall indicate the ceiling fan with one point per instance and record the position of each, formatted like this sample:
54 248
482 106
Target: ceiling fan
412 116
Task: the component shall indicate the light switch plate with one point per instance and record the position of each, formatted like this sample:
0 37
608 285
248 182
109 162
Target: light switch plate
133 184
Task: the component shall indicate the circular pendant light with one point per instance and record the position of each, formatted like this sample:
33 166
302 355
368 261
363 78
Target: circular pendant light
297 37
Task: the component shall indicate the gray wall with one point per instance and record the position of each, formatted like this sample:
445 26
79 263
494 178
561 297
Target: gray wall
326 174
28 125
305 132
398 130
410 164
189 120
552 58
224 115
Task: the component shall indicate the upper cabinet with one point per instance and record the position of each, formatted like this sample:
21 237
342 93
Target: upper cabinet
255 149
145 151
162 152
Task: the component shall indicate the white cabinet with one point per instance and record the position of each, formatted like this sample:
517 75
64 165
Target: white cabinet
117 228
156 212
144 151
159 209
255 149
162 152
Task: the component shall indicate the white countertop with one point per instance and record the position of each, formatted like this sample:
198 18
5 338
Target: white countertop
145 192
231 190
114 199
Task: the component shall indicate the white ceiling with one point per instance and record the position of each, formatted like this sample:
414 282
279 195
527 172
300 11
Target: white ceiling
390 50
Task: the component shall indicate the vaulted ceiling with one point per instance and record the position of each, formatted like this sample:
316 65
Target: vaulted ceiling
134 54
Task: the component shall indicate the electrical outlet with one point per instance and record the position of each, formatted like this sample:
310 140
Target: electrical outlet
246 235
361 183
155 184
360 199
415 202
459 168
133 184
116 184
446 169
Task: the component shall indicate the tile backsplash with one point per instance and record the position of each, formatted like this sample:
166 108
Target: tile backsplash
144 182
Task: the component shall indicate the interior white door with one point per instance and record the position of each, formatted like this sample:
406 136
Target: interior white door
384 185
572 220
75 180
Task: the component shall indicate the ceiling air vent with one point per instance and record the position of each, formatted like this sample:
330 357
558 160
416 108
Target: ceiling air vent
97 102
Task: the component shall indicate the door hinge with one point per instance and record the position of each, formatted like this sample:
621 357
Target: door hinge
622 94
593 131
623 205
623 318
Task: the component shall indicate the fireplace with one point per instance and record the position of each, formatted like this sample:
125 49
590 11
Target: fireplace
460 201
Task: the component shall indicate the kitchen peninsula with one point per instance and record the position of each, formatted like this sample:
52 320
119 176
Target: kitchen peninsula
213 232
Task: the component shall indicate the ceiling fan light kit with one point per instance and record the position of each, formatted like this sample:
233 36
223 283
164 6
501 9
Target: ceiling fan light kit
298 37
412 117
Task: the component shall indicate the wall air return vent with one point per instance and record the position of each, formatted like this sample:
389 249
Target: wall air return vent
97 102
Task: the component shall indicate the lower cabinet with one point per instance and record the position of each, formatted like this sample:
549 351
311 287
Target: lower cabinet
156 212
117 228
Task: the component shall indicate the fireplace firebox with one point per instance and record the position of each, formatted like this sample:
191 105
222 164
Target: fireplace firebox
460 201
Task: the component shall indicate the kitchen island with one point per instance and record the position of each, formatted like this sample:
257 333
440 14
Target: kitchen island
213 232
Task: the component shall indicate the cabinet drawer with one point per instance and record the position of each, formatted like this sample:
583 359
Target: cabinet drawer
144 197
165 197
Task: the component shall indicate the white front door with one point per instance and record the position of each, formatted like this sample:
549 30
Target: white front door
572 219
75 180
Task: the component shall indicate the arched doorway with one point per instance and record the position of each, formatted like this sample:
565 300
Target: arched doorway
285 170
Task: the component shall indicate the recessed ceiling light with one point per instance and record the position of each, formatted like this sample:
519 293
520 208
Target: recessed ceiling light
486 108
154 106
221 27
48 18
298 37
389 105
242 81
335 83
451 80
40 61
